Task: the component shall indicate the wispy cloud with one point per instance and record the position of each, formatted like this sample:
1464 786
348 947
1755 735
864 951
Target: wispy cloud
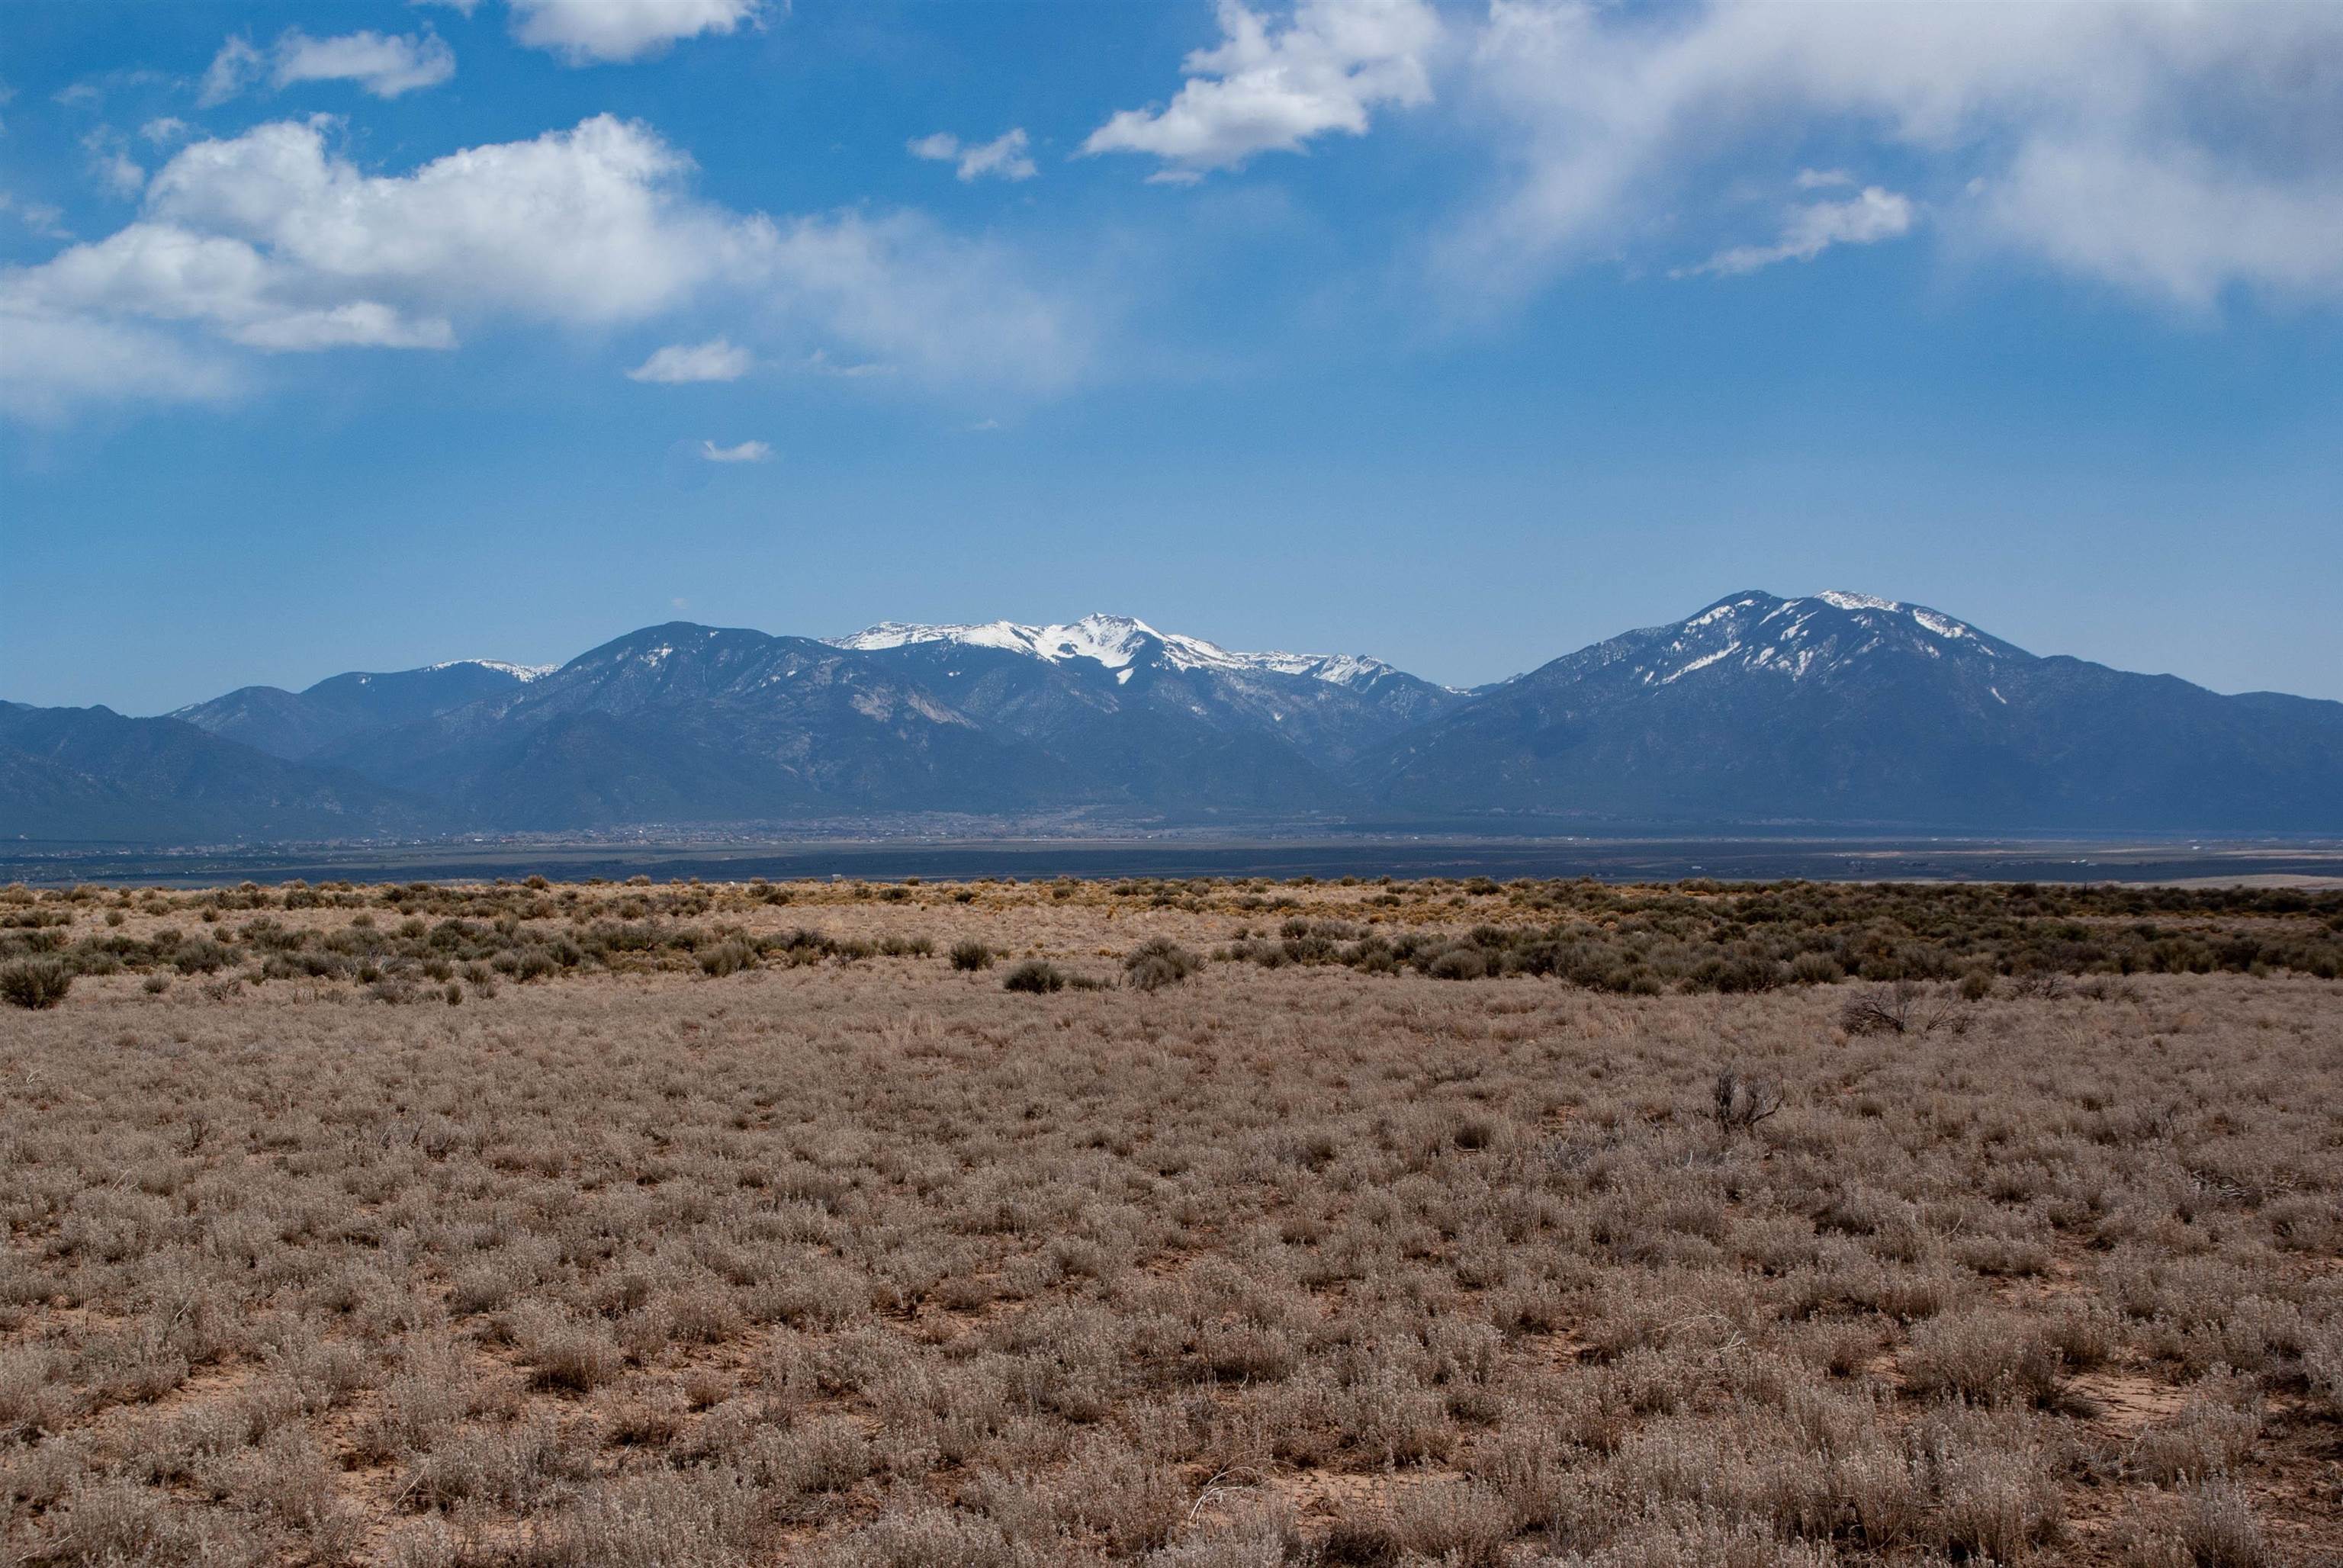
746 452
1003 157
718 359
822 364
2158 149
1865 220
110 161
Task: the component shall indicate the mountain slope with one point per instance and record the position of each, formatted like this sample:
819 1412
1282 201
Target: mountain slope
1845 710
89 773
691 723
295 725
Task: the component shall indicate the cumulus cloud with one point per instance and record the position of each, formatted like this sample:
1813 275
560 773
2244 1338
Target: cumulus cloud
714 360
1266 89
1864 219
385 65
56 366
596 32
272 241
1004 157
746 452
2175 151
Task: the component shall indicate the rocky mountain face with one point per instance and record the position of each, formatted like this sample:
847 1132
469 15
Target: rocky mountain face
1835 710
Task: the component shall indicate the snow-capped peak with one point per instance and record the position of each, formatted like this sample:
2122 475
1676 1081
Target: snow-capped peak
1115 641
1795 637
523 673
1839 598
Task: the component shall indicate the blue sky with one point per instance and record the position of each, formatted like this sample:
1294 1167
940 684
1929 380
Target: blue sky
360 336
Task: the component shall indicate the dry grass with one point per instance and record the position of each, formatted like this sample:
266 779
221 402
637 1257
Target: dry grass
754 1248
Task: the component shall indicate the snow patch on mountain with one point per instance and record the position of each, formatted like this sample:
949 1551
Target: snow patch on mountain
1118 642
1796 637
524 673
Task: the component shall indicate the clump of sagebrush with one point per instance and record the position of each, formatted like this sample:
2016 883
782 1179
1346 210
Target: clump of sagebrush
970 955
34 983
1157 963
1037 975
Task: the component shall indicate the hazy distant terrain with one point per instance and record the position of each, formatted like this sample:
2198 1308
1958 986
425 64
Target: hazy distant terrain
1837 712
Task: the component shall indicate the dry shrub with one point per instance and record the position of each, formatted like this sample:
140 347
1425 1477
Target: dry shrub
2220 1529
575 1356
2211 1435
1035 975
34 984
1997 1497
1987 1356
1158 962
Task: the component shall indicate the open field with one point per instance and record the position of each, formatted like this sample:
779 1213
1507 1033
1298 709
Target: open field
680 1224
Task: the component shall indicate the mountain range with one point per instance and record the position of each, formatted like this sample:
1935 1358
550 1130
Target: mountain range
1838 710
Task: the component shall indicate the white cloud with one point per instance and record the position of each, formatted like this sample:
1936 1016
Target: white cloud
1866 218
714 360
237 66
163 132
54 367
1004 157
110 161
1616 125
384 64
164 273
746 452
273 241
586 225
590 32
2174 222
1263 90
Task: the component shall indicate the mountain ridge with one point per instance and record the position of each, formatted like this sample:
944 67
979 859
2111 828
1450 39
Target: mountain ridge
1828 710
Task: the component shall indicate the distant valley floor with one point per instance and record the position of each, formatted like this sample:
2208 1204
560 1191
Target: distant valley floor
2269 861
